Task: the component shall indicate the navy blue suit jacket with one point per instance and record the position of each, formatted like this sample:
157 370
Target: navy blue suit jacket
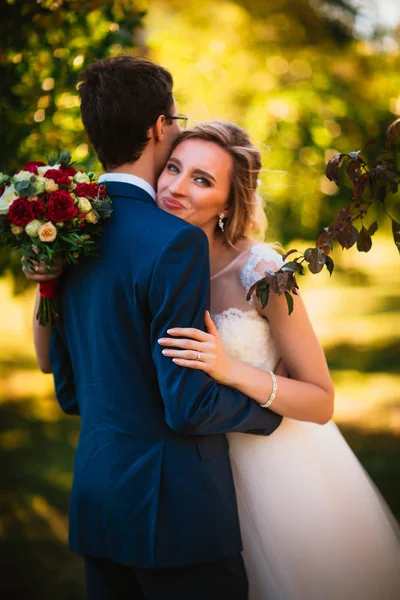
152 482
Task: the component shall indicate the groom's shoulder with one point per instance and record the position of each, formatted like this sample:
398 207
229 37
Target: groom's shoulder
170 229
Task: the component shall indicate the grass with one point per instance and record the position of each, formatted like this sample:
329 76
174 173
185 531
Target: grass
356 315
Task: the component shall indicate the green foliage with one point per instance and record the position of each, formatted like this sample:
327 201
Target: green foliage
295 77
44 45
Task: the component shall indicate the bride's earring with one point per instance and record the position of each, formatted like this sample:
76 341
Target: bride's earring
221 221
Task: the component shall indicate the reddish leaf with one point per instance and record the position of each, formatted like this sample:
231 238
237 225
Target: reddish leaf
293 267
373 228
364 241
396 233
288 253
353 170
348 237
330 265
315 258
359 186
392 134
332 168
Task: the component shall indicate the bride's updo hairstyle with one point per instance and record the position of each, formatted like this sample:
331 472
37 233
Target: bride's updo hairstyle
246 216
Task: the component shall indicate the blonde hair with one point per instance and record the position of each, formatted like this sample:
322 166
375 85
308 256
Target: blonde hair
246 217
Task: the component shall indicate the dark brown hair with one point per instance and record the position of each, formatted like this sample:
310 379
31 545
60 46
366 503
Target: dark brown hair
121 98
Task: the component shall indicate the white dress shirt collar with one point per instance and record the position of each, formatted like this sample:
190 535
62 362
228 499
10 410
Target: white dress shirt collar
127 178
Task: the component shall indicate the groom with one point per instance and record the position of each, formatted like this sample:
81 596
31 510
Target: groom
153 508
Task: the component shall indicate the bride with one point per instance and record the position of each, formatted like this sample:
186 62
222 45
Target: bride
313 525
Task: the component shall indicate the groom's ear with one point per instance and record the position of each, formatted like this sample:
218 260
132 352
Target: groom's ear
158 129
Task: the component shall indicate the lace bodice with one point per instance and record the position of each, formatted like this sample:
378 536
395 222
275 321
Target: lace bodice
245 333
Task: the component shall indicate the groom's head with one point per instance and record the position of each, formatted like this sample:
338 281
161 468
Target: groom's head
126 103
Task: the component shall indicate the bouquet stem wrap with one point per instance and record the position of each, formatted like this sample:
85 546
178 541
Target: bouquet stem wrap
48 310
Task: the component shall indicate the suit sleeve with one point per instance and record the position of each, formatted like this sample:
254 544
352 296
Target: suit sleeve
61 365
179 295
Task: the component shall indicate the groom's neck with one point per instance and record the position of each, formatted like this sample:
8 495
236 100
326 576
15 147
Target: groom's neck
143 167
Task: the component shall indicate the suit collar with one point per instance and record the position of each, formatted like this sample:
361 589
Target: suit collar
128 178
118 189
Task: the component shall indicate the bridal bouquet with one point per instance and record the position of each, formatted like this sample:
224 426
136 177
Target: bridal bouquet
52 213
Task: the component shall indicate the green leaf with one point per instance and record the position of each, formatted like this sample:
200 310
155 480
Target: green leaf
289 300
264 296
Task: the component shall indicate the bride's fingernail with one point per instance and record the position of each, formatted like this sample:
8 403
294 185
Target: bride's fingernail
170 330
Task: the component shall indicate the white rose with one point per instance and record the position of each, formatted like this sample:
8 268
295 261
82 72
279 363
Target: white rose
84 205
7 198
32 229
22 176
39 185
81 178
42 170
51 186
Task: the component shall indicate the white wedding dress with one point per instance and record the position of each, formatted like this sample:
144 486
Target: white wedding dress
314 526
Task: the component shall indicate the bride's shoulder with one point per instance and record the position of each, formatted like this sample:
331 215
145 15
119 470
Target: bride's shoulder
260 257
265 252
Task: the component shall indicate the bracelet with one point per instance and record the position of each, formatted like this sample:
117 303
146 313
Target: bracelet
274 390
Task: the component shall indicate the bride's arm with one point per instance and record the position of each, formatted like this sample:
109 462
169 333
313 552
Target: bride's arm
41 334
307 396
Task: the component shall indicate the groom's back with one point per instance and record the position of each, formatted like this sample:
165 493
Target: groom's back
107 317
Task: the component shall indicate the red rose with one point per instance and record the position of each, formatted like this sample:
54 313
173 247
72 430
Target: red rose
102 191
63 180
38 209
32 166
20 212
2 188
61 207
86 190
54 174
69 171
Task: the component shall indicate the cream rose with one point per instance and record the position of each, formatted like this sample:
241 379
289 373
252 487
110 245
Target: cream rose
32 229
81 178
47 232
84 205
7 198
51 186
91 217
16 229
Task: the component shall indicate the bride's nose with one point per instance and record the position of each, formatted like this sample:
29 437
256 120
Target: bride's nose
178 186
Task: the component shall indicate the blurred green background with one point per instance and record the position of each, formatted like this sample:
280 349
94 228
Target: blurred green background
307 79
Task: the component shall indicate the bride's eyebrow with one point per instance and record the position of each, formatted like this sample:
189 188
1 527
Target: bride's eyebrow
205 173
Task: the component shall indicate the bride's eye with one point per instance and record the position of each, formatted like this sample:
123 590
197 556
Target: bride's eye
203 181
172 168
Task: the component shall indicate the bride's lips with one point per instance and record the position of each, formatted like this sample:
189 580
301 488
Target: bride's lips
171 203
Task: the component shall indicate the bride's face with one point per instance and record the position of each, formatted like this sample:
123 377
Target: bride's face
195 183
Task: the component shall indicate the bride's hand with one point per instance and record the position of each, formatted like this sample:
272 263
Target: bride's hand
193 348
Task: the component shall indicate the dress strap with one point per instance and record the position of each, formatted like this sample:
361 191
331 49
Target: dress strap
259 253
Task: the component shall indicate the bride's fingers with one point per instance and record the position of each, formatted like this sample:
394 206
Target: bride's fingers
188 354
187 344
189 332
192 364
